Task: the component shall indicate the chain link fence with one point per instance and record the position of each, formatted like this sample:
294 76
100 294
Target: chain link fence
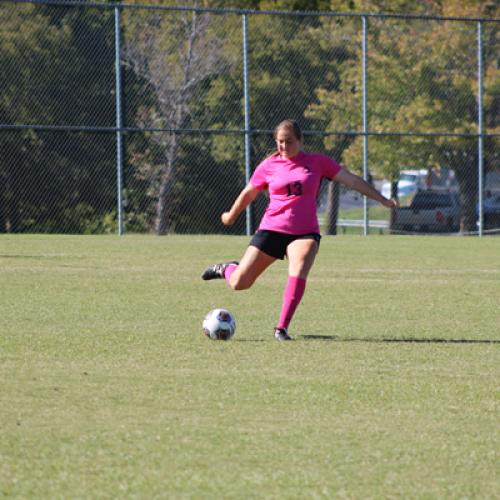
128 118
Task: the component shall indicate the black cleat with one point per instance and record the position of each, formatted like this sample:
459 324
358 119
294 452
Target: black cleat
281 334
216 272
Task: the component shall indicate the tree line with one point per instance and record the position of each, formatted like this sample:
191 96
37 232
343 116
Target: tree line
182 70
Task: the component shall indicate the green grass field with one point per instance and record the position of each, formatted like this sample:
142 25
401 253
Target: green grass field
110 390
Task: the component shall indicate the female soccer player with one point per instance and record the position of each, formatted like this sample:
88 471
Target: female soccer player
289 226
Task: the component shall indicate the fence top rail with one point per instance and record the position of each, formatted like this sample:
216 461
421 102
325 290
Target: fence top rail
85 3
219 131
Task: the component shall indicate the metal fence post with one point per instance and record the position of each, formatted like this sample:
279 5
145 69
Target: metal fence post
480 129
246 95
365 120
119 124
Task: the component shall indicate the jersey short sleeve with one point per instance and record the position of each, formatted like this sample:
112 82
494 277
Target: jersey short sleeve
329 167
259 178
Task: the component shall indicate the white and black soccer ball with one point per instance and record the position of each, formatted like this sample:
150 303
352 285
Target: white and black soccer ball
219 324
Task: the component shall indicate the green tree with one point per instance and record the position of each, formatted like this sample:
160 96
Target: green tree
422 78
176 53
57 69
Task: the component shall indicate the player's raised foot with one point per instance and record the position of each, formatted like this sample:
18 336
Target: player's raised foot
281 334
216 271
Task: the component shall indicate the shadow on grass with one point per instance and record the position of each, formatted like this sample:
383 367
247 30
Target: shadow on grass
402 340
250 340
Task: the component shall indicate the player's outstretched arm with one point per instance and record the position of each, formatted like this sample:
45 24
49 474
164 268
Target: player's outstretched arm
361 186
247 195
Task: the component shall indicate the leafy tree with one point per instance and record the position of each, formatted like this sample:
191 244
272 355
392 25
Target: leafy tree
184 70
176 53
50 76
423 79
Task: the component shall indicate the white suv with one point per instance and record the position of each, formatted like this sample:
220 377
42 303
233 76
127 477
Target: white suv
411 181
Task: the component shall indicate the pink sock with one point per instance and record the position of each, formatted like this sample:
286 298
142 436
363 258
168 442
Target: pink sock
291 298
228 271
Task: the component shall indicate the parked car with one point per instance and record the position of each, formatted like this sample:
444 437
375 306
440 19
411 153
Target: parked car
410 181
429 211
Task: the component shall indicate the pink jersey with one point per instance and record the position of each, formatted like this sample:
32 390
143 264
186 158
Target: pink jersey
293 189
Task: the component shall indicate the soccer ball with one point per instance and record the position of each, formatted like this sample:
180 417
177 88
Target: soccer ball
219 324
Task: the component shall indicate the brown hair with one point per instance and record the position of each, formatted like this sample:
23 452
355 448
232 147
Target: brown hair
291 126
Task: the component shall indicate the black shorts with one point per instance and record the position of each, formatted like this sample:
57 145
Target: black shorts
274 243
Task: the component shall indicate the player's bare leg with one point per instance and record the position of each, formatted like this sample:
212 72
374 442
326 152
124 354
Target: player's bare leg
301 255
253 263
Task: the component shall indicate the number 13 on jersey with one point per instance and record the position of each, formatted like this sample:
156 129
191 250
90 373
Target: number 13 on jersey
294 188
